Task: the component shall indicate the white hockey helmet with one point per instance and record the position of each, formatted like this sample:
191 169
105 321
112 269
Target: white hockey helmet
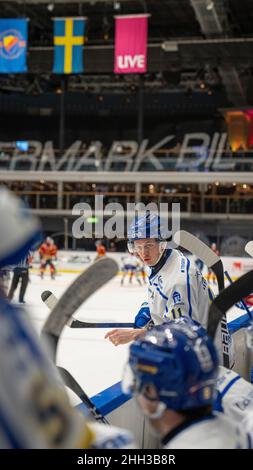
19 229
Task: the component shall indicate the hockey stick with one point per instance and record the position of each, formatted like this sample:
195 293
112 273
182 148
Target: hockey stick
195 246
241 300
227 298
50 300
212 261
249 248
83 287
80 290
71 383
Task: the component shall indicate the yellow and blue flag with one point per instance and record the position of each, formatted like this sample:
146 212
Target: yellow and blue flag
68 45
13 45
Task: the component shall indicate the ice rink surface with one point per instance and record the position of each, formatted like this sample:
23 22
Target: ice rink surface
94 362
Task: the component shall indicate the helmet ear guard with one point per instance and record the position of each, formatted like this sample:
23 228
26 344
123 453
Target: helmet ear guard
130 247
163 246
129 385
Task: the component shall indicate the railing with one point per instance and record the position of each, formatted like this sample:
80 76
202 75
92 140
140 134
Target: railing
189 202
131 157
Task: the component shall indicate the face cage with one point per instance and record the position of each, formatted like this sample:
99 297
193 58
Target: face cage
131 386
130 246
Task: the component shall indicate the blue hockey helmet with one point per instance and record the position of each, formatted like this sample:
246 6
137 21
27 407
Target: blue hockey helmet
146 226
179 359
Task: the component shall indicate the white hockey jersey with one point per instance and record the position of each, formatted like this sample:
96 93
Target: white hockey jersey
235 399
179 289
110 437
215 431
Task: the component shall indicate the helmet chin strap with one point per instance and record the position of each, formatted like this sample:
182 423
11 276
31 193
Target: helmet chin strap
162 248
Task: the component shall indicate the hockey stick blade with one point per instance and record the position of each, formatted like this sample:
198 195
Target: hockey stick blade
80 290
51 300
202 251
212 261
249 248
227 298
241 300
70 382
85 285
82 324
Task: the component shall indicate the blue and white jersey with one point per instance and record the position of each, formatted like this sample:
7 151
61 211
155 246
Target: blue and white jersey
235 399
130 262
110 437
176 289
215 431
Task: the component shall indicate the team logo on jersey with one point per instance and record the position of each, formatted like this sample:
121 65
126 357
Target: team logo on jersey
245 402
176 298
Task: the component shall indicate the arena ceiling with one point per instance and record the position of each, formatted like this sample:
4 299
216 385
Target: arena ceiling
191 43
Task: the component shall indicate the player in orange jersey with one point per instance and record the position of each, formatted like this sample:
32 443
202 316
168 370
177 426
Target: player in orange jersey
101 250
48 253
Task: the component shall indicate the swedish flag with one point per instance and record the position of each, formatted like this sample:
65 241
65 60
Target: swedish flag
68 45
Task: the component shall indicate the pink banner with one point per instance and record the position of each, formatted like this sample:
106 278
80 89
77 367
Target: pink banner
131 44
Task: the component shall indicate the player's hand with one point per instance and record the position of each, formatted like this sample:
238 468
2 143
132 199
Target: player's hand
119 336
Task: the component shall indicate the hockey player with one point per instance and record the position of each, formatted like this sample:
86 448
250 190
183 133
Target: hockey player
172 372
235 398
21 272
141 271
100 248
35 412
48 253
176 288
130 267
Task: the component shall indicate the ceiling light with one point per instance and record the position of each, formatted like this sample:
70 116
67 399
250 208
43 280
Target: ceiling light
116 5
169 46
209 5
